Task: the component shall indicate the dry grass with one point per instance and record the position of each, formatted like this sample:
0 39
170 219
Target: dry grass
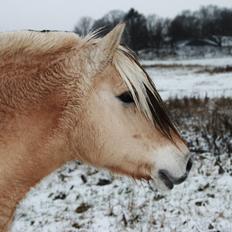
215 70
173 66
197 68
209 122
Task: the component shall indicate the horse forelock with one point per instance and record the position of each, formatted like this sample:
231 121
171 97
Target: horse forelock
144 92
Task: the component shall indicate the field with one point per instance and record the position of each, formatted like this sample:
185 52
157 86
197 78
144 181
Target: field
199 77
81 198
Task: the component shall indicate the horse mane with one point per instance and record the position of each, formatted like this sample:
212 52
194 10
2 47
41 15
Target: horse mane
35 43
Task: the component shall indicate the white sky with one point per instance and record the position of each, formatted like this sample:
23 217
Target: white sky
63 14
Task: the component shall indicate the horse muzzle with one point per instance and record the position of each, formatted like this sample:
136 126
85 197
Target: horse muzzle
170 180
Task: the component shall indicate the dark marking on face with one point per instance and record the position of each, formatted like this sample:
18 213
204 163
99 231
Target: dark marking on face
137 136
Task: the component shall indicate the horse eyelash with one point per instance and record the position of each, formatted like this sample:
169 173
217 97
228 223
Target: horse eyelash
126 97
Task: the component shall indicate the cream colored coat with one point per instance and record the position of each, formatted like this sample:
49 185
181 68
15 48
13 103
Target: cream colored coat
58 103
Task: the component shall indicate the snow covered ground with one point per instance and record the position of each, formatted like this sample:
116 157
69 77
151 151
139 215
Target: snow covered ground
197 77
81 198
78 197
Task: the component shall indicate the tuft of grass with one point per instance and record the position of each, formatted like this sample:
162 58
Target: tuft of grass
173 66
208 120
216 70
197 68
82 208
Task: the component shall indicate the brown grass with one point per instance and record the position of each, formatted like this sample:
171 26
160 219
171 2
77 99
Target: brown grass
216 70
206 123
197 68
173 66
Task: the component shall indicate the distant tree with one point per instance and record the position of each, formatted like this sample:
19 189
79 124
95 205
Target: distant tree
209 22
157 30
84 26
226 22
114 17
108 21
209 19
184 26
136 31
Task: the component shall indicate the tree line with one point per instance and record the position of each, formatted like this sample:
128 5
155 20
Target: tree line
208 23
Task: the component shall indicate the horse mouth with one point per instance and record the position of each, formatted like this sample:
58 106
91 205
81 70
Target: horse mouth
169 180
166 180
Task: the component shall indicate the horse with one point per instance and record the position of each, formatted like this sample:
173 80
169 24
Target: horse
64 97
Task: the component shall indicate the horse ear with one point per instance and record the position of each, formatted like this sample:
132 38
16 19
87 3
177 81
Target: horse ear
99 53
110 42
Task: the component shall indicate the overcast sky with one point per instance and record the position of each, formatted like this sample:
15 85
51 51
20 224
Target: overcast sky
63 14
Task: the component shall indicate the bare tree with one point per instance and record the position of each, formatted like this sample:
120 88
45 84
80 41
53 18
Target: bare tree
158 30
108 21
84 25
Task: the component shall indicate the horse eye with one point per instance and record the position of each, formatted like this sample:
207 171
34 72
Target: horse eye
126 97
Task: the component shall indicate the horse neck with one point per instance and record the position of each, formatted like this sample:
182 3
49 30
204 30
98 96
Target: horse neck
33 141
23 170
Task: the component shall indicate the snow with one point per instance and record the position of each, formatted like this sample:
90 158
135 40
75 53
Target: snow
187 78
78 197
199 202
182 83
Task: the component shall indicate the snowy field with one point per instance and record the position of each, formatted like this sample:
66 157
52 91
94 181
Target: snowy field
78 197
199 77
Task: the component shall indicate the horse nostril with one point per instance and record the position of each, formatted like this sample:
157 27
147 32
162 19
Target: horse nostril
189 165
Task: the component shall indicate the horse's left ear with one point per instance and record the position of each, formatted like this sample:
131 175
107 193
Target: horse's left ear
110 42
98 55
